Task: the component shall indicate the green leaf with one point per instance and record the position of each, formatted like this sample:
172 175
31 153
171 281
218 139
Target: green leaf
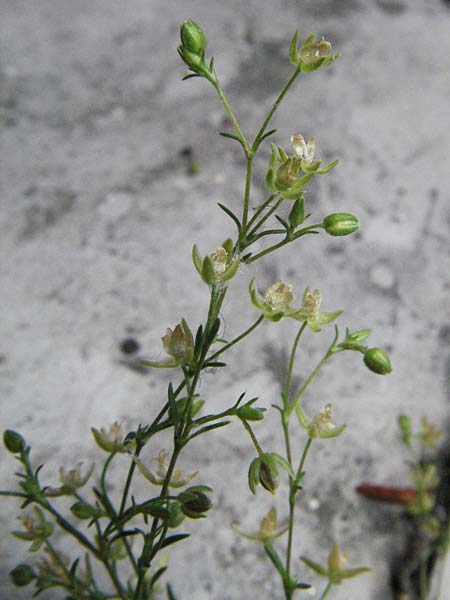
209 428
231 214
293 50
156 576
170 594
173 539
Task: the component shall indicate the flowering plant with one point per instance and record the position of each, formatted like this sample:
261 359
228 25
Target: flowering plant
136 531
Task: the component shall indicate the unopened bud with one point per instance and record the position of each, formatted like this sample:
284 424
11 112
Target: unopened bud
22 575
13 441
377 361
192 37
83 510
311 53
340 224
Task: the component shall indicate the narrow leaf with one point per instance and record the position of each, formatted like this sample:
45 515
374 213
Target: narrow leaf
231 214
170 594
173 539
156 576
209 428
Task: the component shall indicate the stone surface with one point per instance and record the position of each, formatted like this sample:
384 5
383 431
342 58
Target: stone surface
99 214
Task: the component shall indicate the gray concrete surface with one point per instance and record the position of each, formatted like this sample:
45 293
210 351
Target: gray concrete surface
98 217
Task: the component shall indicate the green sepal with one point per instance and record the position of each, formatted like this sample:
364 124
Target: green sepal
293 50
253 474
208 273
197 260
316 567
297 214
272 459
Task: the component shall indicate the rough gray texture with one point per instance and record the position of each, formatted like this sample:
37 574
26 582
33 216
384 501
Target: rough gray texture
99 216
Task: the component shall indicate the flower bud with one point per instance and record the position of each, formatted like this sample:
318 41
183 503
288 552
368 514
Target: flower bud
83 510
13 441
340 224
192 37
377 361
22 575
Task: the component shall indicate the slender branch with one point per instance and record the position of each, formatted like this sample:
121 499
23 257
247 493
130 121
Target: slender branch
260 209
14 494
326 590
253 437
267 251
276 104
238 338
287 386
233 119
268 214
248 182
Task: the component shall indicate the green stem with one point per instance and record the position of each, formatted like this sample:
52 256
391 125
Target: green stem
329 353
248 182
233 119
268 214
292 495
253 437
103 483
276 104
260 209
326 590
267 251
287 386
238 338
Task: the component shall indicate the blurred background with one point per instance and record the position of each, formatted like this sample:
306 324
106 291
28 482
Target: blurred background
111 169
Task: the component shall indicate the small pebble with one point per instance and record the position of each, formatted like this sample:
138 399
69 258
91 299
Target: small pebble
129 346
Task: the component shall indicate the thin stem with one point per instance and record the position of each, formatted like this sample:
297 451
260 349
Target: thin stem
267 251
252 435
238 338
292 495
103 483
248 182
266 232
233 119
265 217
326 590
303 459
260 209
273 109
84 541
423 578
287 386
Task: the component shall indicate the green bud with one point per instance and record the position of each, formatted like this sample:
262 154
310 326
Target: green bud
340 224
192 37
377 361
250 413
13 441
83 510
22 575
